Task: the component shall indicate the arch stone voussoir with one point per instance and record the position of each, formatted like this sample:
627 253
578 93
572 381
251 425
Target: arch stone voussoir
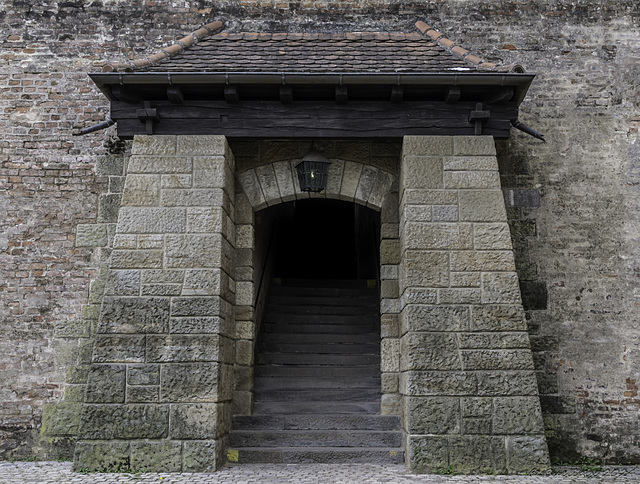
273 183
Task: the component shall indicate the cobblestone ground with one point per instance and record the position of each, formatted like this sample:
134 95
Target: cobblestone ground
56 472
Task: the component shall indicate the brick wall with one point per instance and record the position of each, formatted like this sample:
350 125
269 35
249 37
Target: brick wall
576 245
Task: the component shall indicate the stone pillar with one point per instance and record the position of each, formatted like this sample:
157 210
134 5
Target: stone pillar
469 391
160 385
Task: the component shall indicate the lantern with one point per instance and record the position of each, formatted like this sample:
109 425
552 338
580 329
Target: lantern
313 172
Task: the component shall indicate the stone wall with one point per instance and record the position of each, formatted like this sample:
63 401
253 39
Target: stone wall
572 202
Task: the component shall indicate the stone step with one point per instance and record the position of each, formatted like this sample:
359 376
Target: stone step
326 283
336 309
288 382
326 359
365 300
291 371
317 422
306 408
320 349
302 291
295 324
320 394
315 438
309 455
322 338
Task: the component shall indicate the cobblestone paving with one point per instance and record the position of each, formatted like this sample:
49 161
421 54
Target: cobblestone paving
57 473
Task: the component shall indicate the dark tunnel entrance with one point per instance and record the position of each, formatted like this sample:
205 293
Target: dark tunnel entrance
320 239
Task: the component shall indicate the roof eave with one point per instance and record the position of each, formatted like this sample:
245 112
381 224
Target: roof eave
521 81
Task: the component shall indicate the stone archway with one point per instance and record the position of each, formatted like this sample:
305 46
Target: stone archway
179 308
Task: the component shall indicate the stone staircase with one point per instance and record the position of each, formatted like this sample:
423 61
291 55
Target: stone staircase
317 380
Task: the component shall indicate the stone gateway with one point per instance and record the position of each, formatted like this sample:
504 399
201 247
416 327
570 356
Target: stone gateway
218 312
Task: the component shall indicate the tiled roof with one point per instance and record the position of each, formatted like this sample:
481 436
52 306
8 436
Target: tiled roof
209 50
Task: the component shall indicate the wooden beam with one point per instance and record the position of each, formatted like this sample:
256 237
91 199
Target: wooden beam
174 94
148 115
358 119
504 96
477 117
453 95
123 93
231 94
286 94
342 95
397 93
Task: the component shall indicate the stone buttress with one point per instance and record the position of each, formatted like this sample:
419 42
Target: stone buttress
466 372
160 385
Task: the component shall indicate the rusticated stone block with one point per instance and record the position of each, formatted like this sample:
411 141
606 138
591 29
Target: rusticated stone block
416 317
160 164
429 351
152 220
124 422
421 268
201 324
108 205
141 190
500 288
102 457
106 384
212 172
485 359
476 426
477 453
418 295
389 251
482 206
134 315
421 172
162 276
445 213
426 454
493 340
390 383
389 326
462 163
478 407
195 382
123 283
471 179
161 289
119 349
459 296
136 259
202 282
498 382
194 251
91 235
421 196
350 179
202 455
432 415
437 236
176 181
203 197
491 236
517 415
61 419
203 145
143 394
200 306
486 261
391 404
153 145
427 145
438 383
526 454
184 348
474 145
390 355
251 186
160 456
498 318
194 421
144 375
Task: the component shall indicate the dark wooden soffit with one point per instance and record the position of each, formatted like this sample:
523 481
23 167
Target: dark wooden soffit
313 105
